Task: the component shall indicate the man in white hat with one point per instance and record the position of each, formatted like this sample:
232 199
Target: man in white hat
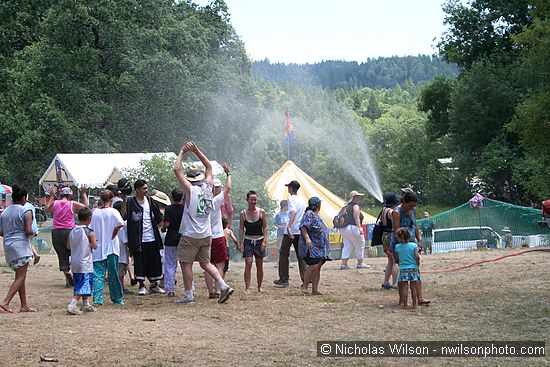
352 233
195 227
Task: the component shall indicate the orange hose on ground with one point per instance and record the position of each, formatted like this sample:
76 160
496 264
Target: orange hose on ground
485 261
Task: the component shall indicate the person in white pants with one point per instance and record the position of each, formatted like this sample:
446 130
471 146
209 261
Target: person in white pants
352 234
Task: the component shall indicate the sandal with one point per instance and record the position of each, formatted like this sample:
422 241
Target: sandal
5 309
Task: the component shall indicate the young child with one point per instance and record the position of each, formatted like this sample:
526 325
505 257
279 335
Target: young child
407 255
171 225
228 235
81 241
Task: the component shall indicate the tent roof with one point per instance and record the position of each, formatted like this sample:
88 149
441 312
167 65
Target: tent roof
93 170
331 203
117 174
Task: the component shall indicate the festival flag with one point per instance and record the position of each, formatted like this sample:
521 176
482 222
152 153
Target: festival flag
288 130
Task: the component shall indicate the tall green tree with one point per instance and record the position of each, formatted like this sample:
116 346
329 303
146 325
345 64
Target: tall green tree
481 29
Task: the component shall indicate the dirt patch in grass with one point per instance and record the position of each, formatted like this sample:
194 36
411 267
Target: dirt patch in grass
506 300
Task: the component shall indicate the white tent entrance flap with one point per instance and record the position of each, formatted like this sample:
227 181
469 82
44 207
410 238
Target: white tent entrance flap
92 170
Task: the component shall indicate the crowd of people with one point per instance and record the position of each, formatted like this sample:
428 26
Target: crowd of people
193 225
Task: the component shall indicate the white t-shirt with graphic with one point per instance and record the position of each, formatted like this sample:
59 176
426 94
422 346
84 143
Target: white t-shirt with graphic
195 222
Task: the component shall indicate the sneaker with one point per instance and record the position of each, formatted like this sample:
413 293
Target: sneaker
280 283
142 291
213 295
171 294
72 309
344 267
157 289
127 291
185 301
133 282
224 296
363 266
87 308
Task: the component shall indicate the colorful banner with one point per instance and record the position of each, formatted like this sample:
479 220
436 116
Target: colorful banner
288 130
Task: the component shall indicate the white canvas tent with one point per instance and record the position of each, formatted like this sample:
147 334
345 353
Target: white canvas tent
330 203
94 170
118 173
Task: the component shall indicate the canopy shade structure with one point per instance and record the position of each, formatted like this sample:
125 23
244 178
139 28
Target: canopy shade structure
330 203
5 195
92 170
5 189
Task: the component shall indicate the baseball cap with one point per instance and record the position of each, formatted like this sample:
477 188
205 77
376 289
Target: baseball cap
294 184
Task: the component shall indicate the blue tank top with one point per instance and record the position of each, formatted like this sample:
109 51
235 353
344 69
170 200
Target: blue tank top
407 221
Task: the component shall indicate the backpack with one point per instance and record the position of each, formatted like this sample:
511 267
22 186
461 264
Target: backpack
341 219
379 229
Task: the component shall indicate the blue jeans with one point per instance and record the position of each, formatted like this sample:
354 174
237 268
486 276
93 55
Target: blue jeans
115 288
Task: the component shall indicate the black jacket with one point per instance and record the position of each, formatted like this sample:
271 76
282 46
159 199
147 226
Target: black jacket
134 216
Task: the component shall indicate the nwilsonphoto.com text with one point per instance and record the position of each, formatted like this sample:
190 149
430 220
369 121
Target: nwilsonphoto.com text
482 349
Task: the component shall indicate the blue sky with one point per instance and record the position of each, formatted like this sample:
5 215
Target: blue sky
314 30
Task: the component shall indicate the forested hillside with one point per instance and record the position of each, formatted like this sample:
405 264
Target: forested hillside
383 72
145 76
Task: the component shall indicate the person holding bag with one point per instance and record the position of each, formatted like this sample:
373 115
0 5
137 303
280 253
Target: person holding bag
314 246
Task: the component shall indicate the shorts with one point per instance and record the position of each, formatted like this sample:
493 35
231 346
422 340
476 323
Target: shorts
59 240
253 248
122 269
194 249
408 275
83 284
19 263
218 250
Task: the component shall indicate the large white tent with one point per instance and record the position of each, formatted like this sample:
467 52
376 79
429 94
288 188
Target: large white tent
94 170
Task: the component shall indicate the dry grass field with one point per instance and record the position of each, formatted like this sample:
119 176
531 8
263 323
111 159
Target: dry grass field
505 300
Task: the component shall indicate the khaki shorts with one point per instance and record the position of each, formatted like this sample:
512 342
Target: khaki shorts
194 249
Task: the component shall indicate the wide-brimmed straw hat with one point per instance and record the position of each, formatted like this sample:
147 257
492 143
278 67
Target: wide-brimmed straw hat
355 193
160 197
193 174
506 229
